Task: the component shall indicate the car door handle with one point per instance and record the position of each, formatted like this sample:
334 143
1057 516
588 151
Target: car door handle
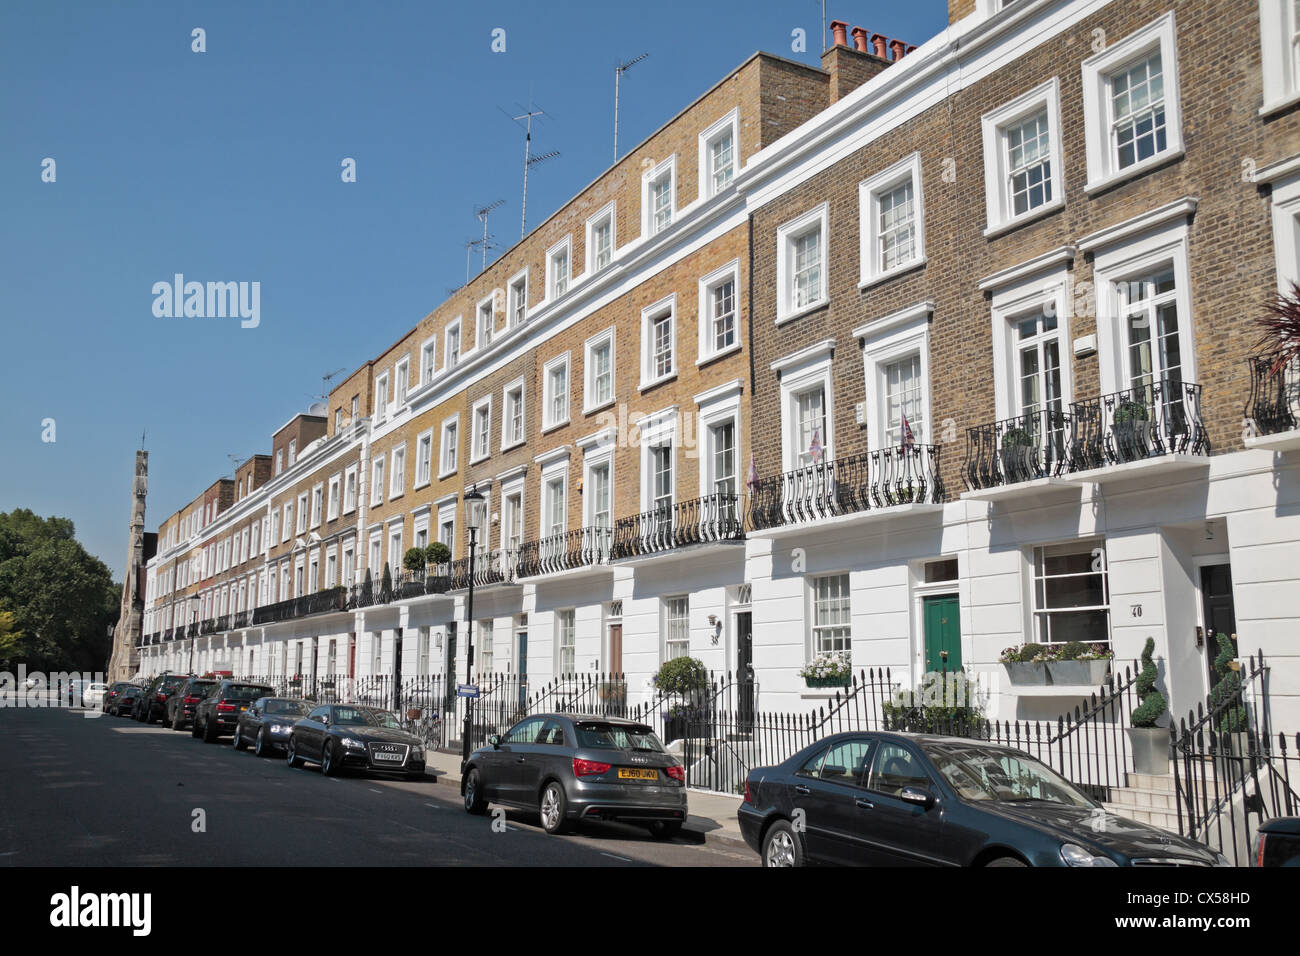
864 804
801 789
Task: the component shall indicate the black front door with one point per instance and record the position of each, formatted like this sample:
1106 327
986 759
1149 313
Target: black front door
449 667
745 665
1220 617
397 671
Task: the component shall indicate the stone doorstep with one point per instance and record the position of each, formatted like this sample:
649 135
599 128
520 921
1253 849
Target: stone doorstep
1140 798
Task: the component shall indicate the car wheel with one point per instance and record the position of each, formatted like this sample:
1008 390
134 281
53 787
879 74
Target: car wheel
665 829
176 721
474 802
552 808
291 753
259 745
329 765
781 846
1006 861
209 732
238 740
195 731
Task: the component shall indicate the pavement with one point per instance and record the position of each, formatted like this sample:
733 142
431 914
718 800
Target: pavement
712 815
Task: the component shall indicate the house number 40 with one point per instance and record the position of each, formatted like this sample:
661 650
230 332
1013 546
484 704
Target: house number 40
1135 610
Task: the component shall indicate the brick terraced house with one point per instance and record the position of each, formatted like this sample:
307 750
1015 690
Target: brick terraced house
928 353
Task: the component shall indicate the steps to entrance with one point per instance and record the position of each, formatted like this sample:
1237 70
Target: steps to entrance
1151 798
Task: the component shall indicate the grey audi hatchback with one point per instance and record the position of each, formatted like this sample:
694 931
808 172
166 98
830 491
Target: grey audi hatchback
572 767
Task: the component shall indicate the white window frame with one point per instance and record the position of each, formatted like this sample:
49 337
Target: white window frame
602 457
811 648
448 512
720 406
888 340
423 468
452 422
397 472
1098 70
484 406
549 420
401 372
566 641
658 430
649 315
448 361
350 473
377 466
591 402
665 612
730 123
553 278
605 214
506 416
335 497
817 218
650 177
517 486
1047 290
300 525
801 372
381 397
995 126
869 192
428 358
513 299
557 471
708 350
1279 55
480 340
317 504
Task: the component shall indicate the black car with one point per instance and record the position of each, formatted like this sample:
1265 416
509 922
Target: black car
109 703
217 713
267 723
1278 843
123 705
180 705
890 799
339 736
572 767
152 703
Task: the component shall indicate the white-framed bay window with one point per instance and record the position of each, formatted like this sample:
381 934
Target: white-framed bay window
1023 166
891 208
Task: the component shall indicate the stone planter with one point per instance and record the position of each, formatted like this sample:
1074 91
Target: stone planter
1150 749
1027 673
826 681
1083 673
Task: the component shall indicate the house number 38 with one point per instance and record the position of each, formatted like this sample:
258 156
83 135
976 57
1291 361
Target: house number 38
1135 610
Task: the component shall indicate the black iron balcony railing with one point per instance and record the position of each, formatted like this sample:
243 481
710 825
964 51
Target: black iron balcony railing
1032 445
1157 418
321 602
192 629
410 584
169 634
840 486
241 619
579 548
1146 421
498 566
715 517
1274 403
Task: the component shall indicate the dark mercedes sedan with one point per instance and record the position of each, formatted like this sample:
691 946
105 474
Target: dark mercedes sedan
353 736
267 723
889 799
217 713
569 767
123 705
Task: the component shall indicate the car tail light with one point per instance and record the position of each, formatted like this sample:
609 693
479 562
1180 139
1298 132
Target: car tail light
588 768
161 696
1259 850
191 700
224 707
677 772
749 797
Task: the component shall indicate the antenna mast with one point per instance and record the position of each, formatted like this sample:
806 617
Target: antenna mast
618 72
529 161
483 212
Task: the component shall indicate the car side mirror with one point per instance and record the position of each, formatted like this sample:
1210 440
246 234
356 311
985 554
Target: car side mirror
325 719
495 741
918 795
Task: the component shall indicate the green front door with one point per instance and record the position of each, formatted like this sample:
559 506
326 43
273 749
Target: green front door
942 633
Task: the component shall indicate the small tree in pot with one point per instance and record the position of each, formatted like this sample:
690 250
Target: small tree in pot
413 560
1229 710
683 678
437 554
1150 743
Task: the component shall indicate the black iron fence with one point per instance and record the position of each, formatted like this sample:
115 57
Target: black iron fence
1274 402
716 517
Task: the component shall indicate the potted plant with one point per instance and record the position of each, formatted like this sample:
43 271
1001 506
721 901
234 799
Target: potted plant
386 586
683 678
1131 430
1077 662
944 704
437 554
1232 724
1150 743
1017 451
828 669
1026 665
414 559
367 590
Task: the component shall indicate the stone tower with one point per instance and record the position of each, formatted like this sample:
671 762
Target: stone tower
125 660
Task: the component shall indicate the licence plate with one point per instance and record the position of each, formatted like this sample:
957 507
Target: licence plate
394 757
636 773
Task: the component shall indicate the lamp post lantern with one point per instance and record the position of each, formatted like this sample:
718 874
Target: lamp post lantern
475 508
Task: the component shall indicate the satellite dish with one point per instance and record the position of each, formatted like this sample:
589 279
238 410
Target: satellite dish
318 409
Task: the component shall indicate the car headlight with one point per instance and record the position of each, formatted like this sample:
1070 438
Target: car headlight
353 744
1077 856
280 728
1221 860
417 751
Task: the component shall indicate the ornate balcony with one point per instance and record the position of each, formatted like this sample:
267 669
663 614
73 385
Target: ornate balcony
884 478
712 518
487 568
567 551
305 605
1273 408
1033 445
411 584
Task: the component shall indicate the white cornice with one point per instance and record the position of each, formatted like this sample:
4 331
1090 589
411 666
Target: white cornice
804 355
1012 274
553 455
1278 170
904 316
1178 209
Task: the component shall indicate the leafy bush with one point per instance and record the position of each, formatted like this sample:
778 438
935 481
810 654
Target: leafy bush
1130 412
1017 438
386 585
1226 692
413 560
681 676
957 711
437 553
1071 651
833 665
1152 704
1032 652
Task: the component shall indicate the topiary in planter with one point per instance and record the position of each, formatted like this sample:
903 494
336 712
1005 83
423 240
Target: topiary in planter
1152 703
437 553
1226 692
1031 652
386 586
413 560
682 676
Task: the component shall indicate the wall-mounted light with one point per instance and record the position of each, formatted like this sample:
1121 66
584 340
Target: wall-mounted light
716 624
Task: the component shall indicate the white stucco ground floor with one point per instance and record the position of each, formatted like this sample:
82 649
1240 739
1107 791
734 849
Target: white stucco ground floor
1173 549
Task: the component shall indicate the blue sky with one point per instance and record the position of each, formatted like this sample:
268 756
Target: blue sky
225 166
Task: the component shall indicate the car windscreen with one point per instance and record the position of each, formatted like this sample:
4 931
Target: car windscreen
1002 776
246 691
171 683
617 736
290 708
200 687
365 717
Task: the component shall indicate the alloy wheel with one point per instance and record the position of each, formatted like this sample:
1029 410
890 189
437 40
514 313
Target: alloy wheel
780 850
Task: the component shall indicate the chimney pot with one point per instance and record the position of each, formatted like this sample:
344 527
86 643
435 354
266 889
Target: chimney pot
860 40
840 30
911 47
897 47
879 40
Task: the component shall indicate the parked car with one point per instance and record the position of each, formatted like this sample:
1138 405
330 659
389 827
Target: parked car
342 736
571 767
123 705
267 723
152 703
217 713
75 689
180 705
93 694
1277 843
890 799
112 694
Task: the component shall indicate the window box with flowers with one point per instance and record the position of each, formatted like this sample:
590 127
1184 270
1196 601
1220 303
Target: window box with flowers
1074 664
831 669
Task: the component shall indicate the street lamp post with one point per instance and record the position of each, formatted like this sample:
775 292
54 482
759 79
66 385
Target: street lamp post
474 514
194 618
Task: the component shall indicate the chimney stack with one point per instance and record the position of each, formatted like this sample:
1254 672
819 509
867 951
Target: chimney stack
860 40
